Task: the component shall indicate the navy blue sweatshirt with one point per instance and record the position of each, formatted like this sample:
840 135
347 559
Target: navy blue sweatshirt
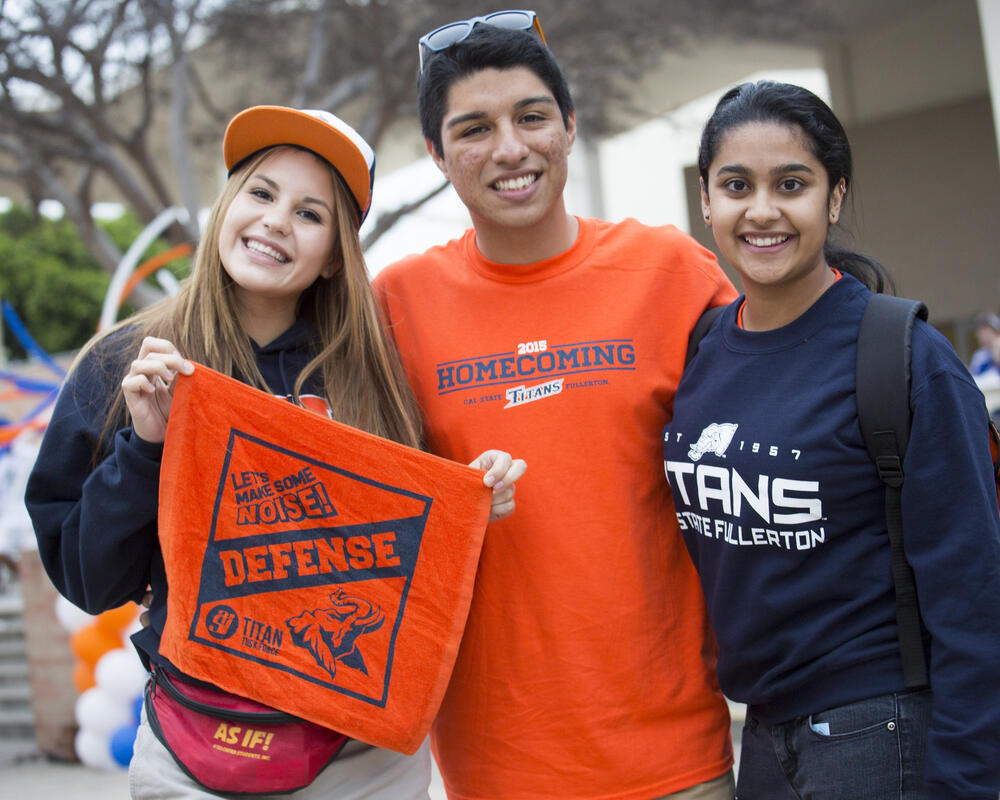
96 526
783 514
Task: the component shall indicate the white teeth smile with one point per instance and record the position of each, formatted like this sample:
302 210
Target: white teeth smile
515 183
766 241
260 247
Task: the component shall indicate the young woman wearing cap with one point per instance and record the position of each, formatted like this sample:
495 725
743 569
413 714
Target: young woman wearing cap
279 298
782 508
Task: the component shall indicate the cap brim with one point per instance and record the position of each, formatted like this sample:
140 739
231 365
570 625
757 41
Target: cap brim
266 126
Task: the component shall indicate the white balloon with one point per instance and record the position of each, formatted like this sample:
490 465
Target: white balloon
71 617
120 673
94 749
101 712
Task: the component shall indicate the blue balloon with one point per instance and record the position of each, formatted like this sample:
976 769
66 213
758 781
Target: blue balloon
122 741
137 708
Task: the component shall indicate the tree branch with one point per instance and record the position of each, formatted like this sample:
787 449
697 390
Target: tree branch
385 221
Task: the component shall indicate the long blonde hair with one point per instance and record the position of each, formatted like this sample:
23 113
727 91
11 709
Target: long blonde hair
360 372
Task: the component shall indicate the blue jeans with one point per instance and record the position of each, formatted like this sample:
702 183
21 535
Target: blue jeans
869 750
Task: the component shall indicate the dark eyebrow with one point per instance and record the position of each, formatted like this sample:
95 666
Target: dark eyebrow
474 115
793 167
530 101
739 169
462 118
307 199
732 169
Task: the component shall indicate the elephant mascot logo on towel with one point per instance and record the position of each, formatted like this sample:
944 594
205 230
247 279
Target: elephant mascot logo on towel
331 634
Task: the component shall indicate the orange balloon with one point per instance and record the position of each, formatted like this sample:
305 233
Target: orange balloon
83 676
91 642
116 620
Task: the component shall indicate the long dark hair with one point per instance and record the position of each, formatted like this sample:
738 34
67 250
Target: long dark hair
787 104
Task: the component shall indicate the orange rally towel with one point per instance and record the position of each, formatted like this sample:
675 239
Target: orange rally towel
314 567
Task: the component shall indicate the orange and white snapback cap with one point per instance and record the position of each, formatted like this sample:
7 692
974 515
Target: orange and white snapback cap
325 134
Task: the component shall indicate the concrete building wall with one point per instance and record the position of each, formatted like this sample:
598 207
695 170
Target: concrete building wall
928 204
930 56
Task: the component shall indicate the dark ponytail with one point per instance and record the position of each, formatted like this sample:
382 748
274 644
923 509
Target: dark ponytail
865 269
787 104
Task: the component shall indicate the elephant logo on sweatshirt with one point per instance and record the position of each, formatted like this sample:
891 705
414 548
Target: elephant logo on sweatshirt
715 438
331 634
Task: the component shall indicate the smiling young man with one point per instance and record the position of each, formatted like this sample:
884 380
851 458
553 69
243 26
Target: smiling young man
587 666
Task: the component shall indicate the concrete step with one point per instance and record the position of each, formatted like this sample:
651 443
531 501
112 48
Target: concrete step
15 701
17 722
21 752
50 678
13 672
13 648
11 604
12 623
12 641
15 694
17 718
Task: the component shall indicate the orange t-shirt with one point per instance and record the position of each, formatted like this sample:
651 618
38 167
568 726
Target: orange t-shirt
587 665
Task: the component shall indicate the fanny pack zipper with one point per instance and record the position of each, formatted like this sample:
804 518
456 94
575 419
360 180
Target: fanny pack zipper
162 680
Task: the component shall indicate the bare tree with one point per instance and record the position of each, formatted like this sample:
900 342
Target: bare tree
63 132
120 95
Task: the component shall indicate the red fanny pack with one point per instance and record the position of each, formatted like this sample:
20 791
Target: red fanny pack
234 745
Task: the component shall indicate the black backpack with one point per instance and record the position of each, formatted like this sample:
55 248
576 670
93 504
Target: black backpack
883 395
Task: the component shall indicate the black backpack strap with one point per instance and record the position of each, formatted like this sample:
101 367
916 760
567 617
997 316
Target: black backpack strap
883 395
700 329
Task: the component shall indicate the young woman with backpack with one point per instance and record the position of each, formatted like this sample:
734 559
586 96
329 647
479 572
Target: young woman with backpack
782 508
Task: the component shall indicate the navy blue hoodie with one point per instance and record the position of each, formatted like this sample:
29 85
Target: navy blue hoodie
783 514
96 525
